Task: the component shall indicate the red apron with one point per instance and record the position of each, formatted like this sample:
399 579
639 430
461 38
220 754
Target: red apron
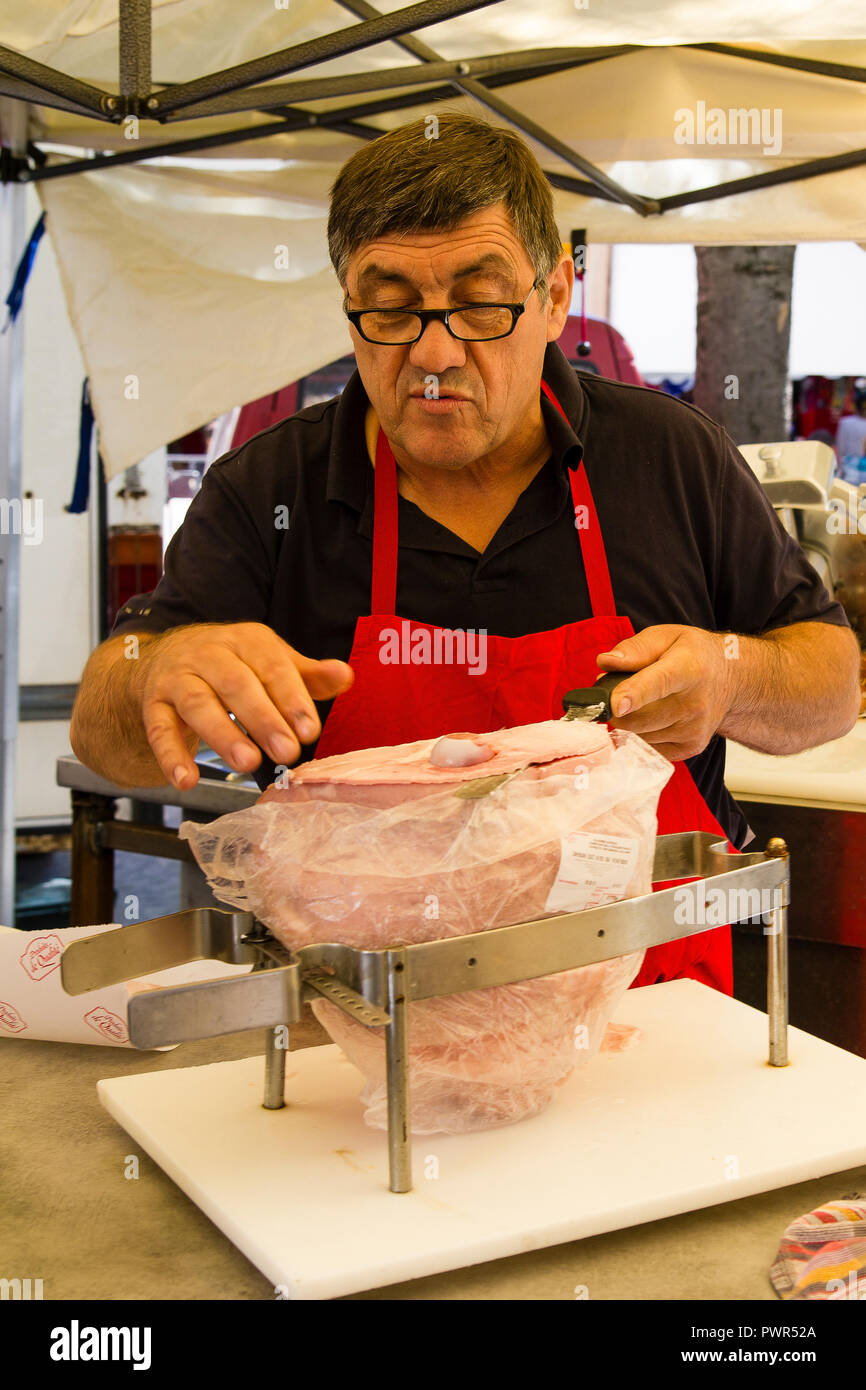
524 682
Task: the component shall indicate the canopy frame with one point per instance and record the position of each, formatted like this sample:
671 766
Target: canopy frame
234 89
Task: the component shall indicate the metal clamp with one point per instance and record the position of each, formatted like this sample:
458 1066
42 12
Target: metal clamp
375 987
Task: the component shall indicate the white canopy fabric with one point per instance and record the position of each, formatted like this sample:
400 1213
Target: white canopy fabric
197 284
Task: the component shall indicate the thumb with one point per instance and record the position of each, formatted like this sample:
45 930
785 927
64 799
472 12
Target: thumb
645 647
325 678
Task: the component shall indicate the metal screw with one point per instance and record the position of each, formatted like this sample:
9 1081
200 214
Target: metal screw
152 103
463 69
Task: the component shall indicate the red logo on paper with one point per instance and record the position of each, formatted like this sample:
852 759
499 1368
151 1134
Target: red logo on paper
110 1025
10 1018
42 956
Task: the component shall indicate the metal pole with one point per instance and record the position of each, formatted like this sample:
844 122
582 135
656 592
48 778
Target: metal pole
13 120
134 51
55 83
794 173
844 71
776 933
521 122
92 895
304 55
275 1071
397 1073
259 98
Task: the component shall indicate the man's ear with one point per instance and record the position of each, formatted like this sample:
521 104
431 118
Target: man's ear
558 305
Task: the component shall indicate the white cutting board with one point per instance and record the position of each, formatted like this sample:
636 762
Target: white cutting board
691 1116
829 776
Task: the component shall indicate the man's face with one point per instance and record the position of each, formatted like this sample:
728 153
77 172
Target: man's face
486 391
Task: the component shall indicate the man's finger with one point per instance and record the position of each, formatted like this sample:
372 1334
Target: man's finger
291 682
633 653
661 680
242 690
325 678
670 715
198 706
163 730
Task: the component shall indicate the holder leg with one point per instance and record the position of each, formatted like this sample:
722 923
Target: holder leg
397 1074
92 895
275 1071
275 1057
776 932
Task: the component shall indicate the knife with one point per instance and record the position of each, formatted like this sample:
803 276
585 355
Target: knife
593 701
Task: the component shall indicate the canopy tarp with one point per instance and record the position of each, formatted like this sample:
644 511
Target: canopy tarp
195 284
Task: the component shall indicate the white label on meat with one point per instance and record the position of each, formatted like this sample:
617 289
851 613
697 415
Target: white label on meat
593 870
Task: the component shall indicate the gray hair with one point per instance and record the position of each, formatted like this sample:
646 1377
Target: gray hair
414 180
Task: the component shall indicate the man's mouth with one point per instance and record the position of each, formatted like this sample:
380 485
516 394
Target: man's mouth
439 396
441 404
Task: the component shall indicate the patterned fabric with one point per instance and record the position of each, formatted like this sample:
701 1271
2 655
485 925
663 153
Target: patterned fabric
823 1254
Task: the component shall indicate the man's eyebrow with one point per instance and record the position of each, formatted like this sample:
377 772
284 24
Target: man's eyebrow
490 264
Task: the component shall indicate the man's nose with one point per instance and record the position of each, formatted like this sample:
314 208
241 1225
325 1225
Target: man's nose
437 349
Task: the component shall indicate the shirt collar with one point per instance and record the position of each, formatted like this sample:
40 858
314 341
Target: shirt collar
349 470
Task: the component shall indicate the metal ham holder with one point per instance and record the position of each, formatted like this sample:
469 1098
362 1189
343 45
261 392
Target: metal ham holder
374 987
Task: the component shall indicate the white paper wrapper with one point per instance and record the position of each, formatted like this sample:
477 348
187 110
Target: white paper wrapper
33 1003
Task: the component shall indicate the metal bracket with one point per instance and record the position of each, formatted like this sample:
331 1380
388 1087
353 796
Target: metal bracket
375 987
355 1005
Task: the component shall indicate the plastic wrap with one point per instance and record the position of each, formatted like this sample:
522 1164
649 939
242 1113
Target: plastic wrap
382 848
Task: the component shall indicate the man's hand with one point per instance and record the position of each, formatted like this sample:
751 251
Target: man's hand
789 689
680 693
191 677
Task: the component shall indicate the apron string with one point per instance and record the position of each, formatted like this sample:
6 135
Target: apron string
384 594
384 528
592 549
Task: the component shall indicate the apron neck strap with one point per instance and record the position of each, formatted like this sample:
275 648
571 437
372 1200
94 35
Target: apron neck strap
384 529
592 549
384 596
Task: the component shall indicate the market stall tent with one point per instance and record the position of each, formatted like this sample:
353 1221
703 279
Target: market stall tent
193 284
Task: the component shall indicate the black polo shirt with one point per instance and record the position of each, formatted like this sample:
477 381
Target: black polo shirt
689 533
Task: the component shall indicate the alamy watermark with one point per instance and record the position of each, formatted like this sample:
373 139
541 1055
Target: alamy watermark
739 125
22 516
437 646
698 906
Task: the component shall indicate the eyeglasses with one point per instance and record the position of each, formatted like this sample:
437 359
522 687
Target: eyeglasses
472 323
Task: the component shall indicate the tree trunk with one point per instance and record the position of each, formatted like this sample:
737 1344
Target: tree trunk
744 322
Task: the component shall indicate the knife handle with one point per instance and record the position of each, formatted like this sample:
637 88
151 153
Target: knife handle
596 694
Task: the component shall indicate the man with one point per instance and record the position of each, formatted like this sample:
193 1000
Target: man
499 496
851 431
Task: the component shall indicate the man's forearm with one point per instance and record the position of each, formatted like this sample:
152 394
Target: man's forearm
792 688
107 732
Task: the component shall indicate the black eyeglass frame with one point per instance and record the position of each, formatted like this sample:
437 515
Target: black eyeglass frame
441 316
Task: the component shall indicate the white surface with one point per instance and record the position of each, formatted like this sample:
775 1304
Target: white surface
691 1116
832 775
54 639
34 1004
653 304
40 742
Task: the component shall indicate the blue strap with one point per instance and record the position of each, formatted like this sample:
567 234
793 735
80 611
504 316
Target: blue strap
15 297
81 488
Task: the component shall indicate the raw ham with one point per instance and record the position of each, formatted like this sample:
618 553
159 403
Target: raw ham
382 847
